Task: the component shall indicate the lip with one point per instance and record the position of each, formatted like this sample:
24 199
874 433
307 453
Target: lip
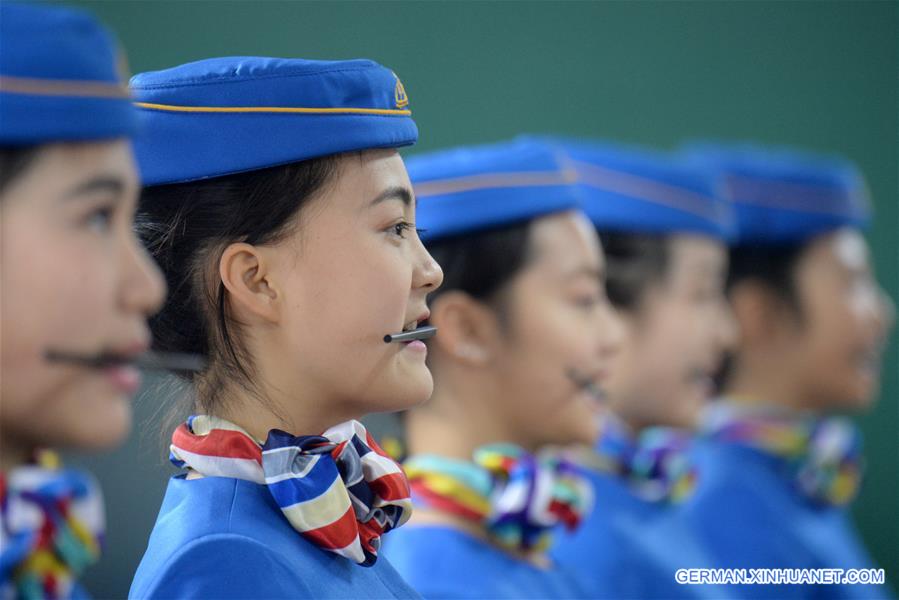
416 346
419 320
125 378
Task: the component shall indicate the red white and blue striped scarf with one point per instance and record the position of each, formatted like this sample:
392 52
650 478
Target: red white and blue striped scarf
339 490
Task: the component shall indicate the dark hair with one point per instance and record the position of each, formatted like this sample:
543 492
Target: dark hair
186 226
634 262
14 160
773 266
481 264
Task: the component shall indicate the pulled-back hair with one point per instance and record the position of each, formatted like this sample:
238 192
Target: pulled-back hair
634 263
186 227
481 264
15 160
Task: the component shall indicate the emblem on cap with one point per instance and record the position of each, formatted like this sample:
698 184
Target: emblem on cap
399 94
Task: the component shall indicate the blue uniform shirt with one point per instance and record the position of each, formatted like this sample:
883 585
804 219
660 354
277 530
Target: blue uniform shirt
444 562
631 548
751 516
220 538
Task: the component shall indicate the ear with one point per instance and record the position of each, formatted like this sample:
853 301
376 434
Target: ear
758 312
467 330
244 271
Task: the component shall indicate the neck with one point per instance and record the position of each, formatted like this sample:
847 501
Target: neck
13 453
763 384
461 416
299 413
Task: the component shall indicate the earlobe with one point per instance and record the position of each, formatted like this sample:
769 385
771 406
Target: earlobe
244 272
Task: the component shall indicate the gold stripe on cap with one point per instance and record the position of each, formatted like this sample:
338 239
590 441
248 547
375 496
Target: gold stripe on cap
62 87
649 190
274 109
487 181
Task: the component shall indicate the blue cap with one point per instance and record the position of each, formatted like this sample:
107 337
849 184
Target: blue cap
636 190
471 189
784 196
228 115
60 77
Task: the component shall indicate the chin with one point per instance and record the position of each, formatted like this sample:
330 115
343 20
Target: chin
582 431
409 392
860 399
99 433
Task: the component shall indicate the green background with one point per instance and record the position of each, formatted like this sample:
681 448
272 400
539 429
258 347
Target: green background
817 75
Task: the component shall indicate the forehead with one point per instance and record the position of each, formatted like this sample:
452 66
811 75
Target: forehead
844 249
697 253
59 168
362 176
565 240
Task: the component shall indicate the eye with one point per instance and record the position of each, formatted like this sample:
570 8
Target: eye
100 219
586 302
399 229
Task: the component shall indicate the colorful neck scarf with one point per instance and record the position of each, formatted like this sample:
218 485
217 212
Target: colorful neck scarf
823 456
655 464
51 529
339 490
517 497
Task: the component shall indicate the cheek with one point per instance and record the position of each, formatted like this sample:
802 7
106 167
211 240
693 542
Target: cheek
358 293
81 411
54 296
548 339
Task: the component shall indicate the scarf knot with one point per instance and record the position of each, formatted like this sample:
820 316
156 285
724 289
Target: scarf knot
821 456
655 464
518 497
339 490
51 528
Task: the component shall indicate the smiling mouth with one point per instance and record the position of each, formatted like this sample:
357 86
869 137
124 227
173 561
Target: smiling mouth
588 385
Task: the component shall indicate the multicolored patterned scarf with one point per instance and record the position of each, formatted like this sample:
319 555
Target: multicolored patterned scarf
51 529
517 497
823 456
655 464
339 490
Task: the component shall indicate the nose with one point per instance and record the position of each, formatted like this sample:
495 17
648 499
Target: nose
886 313
427 273
611 331
728 332
144 287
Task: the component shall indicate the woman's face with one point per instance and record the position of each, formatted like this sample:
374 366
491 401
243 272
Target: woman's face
675 339
557 320
354 271
844 321
74 278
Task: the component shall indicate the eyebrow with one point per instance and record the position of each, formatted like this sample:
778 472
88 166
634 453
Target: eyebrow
394 193
586 271
102 184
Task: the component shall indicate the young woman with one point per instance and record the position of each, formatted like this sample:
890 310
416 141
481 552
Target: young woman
778 469
664 230
526 336
284 220
74 280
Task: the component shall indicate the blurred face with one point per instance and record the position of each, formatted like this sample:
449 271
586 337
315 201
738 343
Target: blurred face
845 320
674 341
558 320
354 272
74 278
